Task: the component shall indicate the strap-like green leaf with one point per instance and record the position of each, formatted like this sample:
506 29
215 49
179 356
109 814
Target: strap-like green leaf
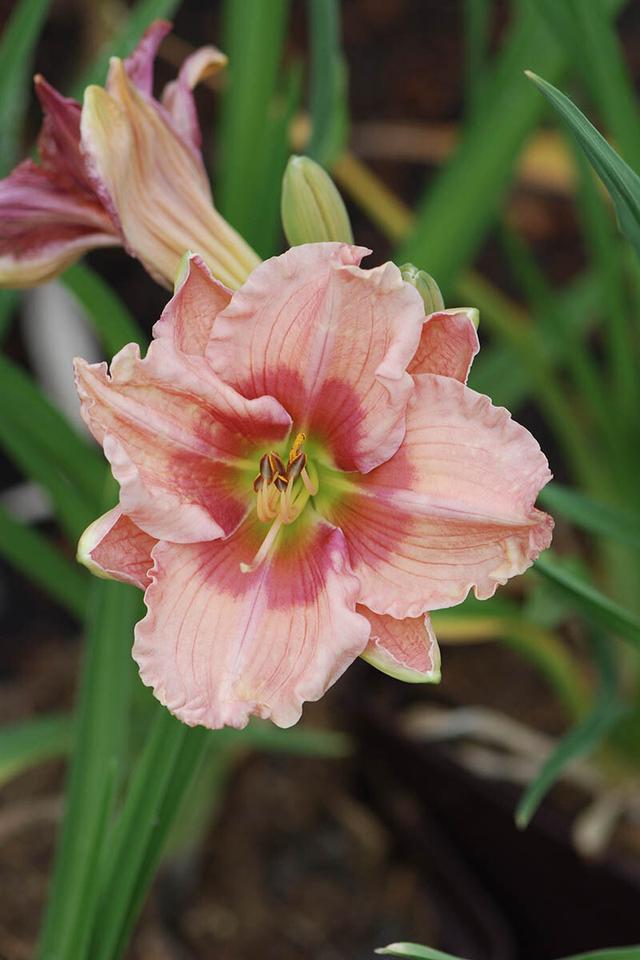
477 30
460 204
108 315
415 951
97 763
620 180
32 415
590 601
17 44
32 741
581 740
591 43
253 37
37 560
161 778
609 953
592 515
328 96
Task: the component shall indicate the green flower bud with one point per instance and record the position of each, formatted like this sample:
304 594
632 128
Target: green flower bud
312 208
426 287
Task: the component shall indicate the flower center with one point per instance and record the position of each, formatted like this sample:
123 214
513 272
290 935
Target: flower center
282 493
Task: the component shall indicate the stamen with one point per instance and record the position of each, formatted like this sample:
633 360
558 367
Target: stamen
265 509
265 547
311 485
295 508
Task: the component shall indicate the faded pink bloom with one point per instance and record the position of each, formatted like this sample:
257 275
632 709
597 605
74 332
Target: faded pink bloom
123 169
303 476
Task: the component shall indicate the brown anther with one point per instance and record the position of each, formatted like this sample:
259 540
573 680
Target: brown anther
258 483
266 469
296 467
281 482
276 464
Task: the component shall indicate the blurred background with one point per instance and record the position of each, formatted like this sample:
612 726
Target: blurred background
390 814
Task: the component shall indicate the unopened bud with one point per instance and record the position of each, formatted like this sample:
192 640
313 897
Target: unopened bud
426 287
312 208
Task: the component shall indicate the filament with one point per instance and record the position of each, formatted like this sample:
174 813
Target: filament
265 547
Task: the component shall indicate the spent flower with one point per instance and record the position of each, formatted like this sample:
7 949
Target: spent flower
122 169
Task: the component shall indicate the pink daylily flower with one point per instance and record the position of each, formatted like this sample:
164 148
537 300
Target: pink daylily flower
303 476
123 169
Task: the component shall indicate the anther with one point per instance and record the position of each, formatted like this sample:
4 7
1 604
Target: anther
281 482
276 464
266 469
296 466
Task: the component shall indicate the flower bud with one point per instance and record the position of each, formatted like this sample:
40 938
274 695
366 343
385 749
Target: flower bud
312 208
426 287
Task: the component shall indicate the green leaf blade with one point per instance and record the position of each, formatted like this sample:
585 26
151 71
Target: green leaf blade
253 39
589 600
328 96
620 180
17 47
415 951
578 742
33 741
592 515
37 560
112 322
96 764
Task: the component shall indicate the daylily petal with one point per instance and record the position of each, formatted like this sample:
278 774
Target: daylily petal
453 509
59 137
448 344
115 548
188 317
45 228
177 97
139 65
219 646
331 342
176 437
49 212
405 649
156 184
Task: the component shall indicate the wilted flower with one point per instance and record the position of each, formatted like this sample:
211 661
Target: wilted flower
303 475
123 169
